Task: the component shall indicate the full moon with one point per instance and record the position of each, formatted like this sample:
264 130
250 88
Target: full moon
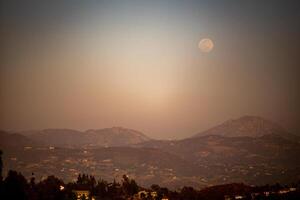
206 45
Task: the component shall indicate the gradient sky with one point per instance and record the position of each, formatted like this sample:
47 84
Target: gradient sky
136 64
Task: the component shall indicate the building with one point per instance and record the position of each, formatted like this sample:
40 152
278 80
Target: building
145 194
80 193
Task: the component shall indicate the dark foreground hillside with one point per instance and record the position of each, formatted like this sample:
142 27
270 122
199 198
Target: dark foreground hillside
16 187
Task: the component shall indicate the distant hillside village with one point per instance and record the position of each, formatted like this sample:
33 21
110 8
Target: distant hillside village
16 187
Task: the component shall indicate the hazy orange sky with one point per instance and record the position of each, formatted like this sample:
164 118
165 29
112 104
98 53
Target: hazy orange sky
136 64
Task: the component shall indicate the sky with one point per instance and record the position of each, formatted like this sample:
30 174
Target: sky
137 64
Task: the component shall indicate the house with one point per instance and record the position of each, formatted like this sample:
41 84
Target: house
284 191
230 197
239 197
145 194
82 193
267 193
142 194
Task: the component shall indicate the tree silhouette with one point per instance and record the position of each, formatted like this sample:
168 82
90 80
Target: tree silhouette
15 186
101 188
189 193
33 193
49 189
1 165
129 186
114 190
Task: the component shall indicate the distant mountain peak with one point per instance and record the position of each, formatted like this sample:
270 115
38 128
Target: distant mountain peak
250 126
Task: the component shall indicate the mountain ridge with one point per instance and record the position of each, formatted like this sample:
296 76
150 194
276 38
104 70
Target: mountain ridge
250 126
115 136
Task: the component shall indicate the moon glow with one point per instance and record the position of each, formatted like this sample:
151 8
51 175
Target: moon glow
206 45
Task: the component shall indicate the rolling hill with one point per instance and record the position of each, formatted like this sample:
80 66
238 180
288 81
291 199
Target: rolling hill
116 136
15 140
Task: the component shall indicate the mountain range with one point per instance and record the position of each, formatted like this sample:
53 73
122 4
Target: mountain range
249 149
